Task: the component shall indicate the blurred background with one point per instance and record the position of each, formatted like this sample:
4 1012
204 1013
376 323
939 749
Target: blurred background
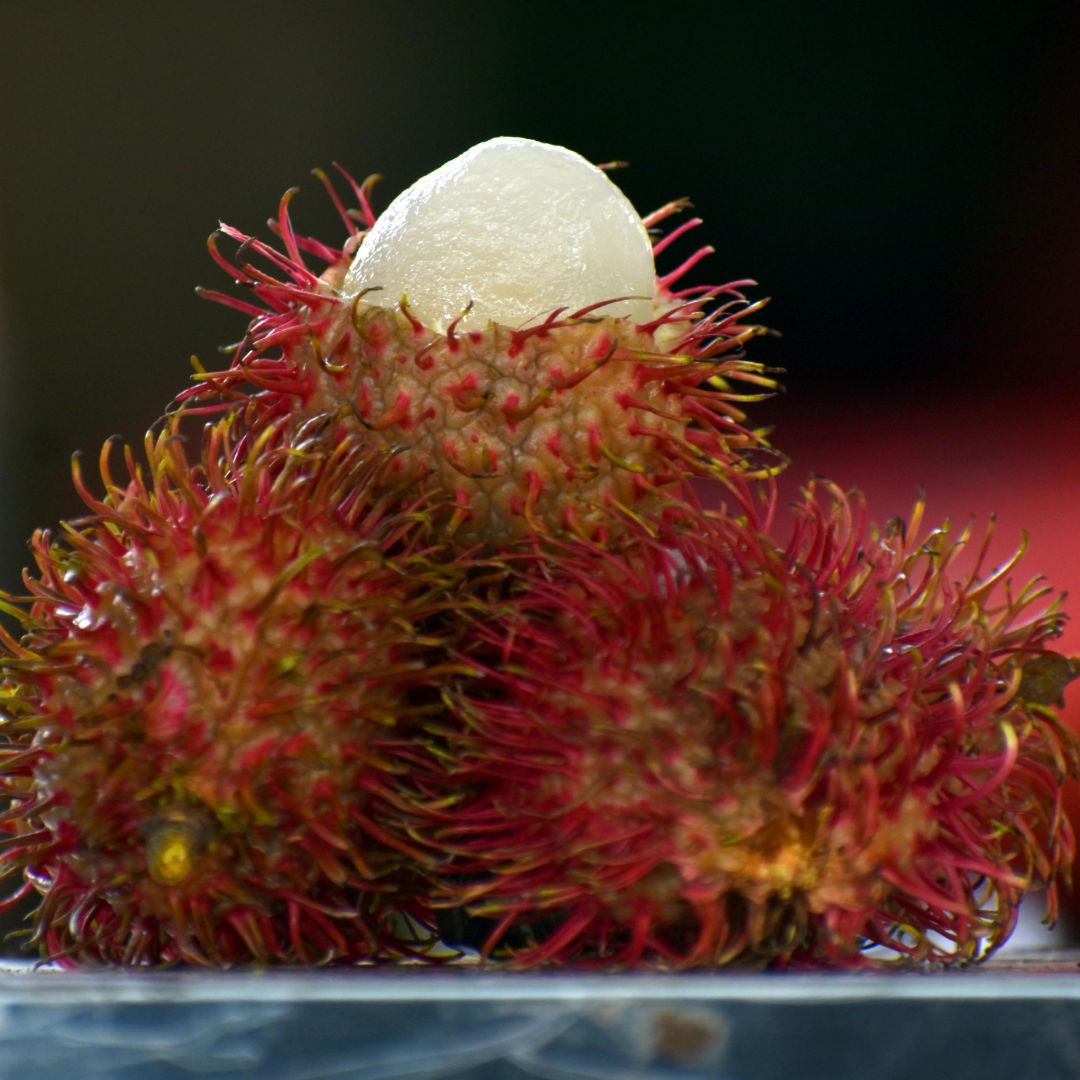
903 178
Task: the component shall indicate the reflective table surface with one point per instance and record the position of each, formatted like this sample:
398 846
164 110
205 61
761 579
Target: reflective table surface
1016 1018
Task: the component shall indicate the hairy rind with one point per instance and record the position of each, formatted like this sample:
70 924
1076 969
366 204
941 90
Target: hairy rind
192 715
698 747
639 732
536 428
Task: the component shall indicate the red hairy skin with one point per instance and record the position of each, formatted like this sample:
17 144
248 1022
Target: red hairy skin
190 717
433 635
697 747
527 429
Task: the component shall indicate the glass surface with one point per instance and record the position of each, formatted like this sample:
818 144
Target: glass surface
1015 1019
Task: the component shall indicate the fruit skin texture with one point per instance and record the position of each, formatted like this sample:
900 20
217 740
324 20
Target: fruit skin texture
698 748
530 429
193 716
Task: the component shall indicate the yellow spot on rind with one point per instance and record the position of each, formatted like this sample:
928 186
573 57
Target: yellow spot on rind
169 856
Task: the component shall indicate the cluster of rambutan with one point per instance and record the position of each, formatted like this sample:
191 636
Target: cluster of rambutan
432 646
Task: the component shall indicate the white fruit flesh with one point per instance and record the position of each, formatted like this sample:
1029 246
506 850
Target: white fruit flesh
516 227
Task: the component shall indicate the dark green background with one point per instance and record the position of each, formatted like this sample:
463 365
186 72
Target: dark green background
903 178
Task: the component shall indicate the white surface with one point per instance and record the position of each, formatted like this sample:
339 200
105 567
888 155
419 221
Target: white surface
1031 932
516 226
368 984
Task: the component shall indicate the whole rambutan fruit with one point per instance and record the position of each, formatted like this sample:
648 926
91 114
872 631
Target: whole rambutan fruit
520 349
697 746
191 717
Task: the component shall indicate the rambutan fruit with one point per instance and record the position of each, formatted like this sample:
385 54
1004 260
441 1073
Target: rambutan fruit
192 716
697 746
520 350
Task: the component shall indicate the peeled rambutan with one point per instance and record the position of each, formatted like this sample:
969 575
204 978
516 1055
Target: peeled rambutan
191 717
696 746
496 355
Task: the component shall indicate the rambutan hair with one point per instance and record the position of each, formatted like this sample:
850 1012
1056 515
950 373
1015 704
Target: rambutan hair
433 640
528 428
696 746
189 718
